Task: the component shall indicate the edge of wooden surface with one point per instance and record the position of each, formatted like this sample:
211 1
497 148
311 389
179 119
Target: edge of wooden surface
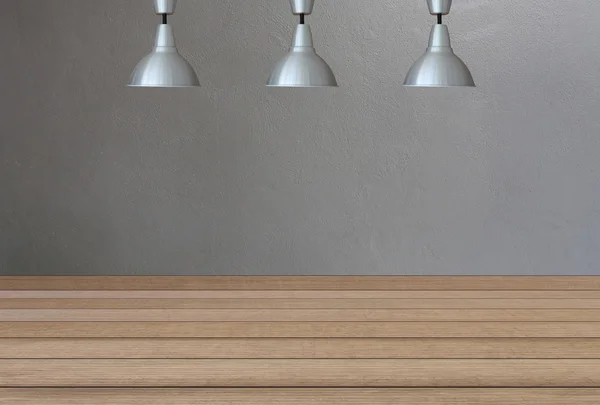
297 303
424 283
294 396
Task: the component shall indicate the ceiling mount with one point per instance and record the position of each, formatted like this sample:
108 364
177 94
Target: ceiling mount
165 6
302 6
437 7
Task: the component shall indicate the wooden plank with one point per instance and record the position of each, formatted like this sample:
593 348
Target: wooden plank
452 348
298 329
299 315
306 294
302 283
300 373
291 396
331 303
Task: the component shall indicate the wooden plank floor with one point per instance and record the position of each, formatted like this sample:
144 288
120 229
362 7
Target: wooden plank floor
375 340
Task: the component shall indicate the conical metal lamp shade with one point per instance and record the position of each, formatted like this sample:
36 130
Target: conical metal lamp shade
439 67
164 66
302 67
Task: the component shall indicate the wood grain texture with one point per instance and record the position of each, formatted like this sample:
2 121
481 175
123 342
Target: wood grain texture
487 337
301 283
314 396
331 303
300 373
299 315
296 294
299 329
231 348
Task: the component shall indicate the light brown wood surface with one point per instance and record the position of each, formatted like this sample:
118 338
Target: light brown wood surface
294 348
299 315
270 396
300 329
301 373
375 340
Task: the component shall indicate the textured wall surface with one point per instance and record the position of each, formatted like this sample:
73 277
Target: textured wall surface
235 178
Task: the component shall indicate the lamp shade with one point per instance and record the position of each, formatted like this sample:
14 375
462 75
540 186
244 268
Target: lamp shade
164 66
439 67
302 67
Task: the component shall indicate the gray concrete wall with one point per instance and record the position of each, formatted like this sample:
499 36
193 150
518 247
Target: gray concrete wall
234 178
10 126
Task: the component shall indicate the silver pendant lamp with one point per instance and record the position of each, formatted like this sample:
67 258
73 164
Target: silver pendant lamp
164 66
439 67
302 67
